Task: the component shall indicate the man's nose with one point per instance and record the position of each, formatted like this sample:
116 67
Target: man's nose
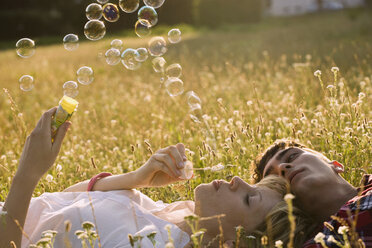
284 168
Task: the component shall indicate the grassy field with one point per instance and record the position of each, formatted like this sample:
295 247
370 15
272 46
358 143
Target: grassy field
256 83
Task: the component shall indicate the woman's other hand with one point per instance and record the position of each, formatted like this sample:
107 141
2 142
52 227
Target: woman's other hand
39 153
163 167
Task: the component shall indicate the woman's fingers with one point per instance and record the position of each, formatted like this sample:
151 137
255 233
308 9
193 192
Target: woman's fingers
173 152
182 150
46 120
58 138
167 161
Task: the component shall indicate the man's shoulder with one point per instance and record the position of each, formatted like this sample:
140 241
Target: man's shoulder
360 208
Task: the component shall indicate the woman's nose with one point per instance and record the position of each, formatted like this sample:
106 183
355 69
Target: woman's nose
236 182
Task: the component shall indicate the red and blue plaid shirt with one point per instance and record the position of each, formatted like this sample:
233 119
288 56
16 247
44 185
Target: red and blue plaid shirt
360 208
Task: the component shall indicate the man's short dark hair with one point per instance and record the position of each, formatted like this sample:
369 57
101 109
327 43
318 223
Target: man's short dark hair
261 160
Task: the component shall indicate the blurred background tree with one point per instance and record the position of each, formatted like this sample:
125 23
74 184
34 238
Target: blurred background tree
35 18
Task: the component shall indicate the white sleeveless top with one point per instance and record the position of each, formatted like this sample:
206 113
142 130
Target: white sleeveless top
118 213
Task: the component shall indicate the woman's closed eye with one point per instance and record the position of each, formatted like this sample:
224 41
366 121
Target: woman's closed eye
247 199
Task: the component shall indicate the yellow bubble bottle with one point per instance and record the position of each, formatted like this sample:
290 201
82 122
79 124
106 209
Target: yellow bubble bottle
67 106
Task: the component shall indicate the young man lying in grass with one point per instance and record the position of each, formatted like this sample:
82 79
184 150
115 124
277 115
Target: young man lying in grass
342 211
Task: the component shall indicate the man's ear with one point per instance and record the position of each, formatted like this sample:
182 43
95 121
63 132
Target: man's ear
337 166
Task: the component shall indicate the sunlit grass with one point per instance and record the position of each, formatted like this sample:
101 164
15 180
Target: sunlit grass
256 83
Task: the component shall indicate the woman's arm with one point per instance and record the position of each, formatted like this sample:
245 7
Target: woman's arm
163 167
115 182
39 154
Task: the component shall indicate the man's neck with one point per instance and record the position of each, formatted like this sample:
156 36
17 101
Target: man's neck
333 198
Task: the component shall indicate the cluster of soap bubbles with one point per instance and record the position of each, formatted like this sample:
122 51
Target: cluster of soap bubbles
95 29
84 75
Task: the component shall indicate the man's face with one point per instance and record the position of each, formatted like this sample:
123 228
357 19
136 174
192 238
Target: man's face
306 170
241 203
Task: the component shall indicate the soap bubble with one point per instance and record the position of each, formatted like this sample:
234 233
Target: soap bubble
112 56
85 75
70 88
154 3
129 59
117 44
111 12
193 100
71 42
158 64
195 109
157 46
94 30
174 70
102 1
174 86
142 28
129 6
174 35
149 14
187 171
142 54
25 47
94 11
26 83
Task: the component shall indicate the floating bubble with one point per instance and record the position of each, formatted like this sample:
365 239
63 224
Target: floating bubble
142 54
142 28
187 171
129 6
70 88
26 83
158 64
154 3
129 58
117 44
174 70
71 42
111 12
174 35
85 75
193 100
94 11
196 113
149 14
94 30
174 86
157 46
25 47
112 56
102 1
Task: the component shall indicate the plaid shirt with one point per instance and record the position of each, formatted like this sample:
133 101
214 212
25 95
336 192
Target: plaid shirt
360 207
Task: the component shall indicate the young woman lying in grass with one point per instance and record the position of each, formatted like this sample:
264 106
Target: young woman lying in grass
117 209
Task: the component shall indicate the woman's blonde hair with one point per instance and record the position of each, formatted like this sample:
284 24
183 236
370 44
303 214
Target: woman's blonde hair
277 225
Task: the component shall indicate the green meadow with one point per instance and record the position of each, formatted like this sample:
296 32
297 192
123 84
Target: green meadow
256 83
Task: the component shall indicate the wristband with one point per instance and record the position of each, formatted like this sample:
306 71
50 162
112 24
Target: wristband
94 179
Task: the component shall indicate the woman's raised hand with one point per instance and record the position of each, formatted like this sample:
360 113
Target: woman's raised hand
163 167
39 153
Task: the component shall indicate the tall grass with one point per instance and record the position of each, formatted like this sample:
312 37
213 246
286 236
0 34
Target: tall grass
256 83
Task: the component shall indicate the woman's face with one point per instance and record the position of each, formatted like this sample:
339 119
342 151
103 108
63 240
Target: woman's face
241 203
